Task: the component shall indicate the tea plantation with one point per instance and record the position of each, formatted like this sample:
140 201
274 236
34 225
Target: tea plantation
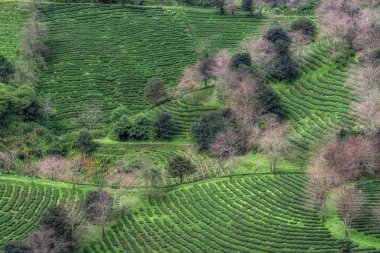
248 214
22 202
319 101
141 44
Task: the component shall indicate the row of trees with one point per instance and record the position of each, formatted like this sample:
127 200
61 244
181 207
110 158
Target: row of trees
141 127
252 6
338 163
253 118
353 28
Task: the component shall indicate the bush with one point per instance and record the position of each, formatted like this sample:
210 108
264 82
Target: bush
164 126
271 101
284 67
208 126
137 127
305 25
6 70
118 113
276 34
57 219
84 142
240 60
98 205
24 102
179 166
155 91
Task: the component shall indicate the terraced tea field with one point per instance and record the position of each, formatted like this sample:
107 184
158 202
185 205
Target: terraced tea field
23 203
249 214
140 44
365 224
12 20
319 102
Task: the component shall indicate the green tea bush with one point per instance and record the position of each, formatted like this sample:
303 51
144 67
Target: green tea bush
137 127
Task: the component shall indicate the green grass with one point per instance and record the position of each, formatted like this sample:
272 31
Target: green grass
108 53
23 201
248 214
12 20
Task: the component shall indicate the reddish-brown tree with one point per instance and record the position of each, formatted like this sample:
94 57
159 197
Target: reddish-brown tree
53 167
351 157
349 207
274 145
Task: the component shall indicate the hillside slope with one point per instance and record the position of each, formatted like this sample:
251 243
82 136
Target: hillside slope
91 60
248 214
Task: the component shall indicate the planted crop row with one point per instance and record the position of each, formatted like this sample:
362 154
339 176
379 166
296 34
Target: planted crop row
21 206
12 19
108 53
159 155
248 214
319 102
367 223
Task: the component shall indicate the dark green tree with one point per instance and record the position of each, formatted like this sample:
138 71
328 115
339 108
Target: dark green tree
240 60
164 126
270 101
285 67
305 25
179 166
84 142
208 126
247 5
219 4
57 219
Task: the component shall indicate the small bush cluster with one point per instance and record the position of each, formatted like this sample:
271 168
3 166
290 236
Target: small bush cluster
140 127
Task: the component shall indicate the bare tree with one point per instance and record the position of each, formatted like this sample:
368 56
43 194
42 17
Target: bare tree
263 55
75 220
33 38
189 80
351 157
45 241
99 207
226 144
321 181
152 177
75 168
7 160
349 21
231 5
349 207
91 116
274 145
53 167
245 103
